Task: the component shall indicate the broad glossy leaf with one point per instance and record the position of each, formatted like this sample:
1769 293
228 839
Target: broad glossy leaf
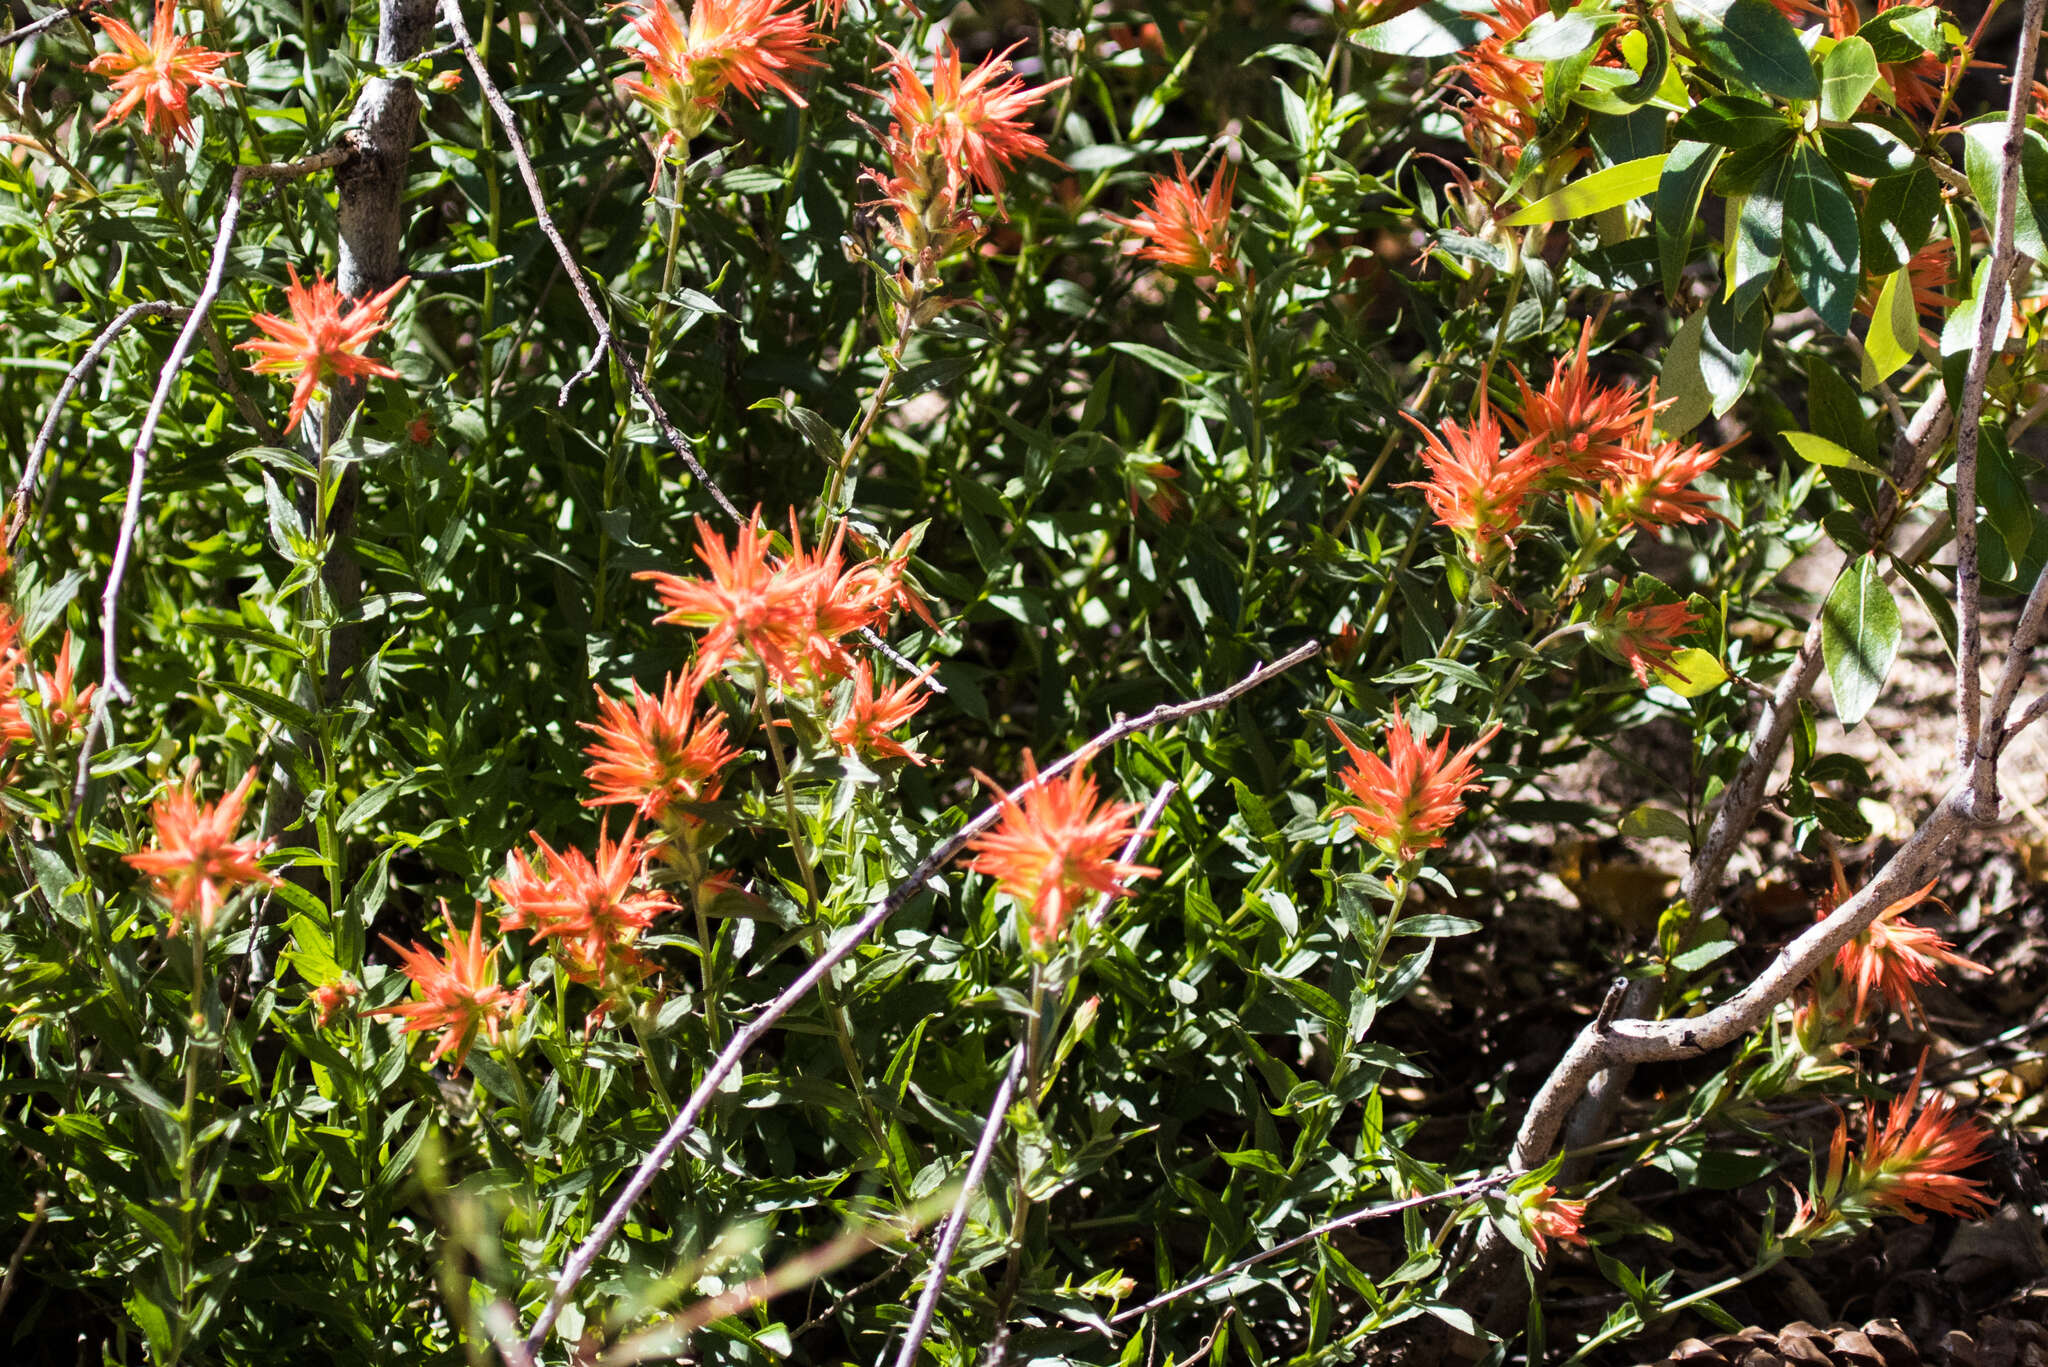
1847 76
1428 30
1898 217
1731 121
1820 451
1749 41
1894 330
1759 240
1606 189
1859 638
1821 238
1984 158
1687 168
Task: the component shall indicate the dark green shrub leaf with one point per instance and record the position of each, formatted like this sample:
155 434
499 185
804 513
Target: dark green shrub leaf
1821 239
1859 638
1749 41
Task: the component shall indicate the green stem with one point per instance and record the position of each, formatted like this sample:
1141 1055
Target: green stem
1255 445
188 1135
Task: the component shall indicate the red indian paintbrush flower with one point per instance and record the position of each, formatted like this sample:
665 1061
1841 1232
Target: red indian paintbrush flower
657 750
459 995
1185 227
331 999
745 45
788 613
588 907
869 719
157 73
1909 1167
1578 428
972 125
1548 1216
196 861
1407 801
1891 955
65 704
1504 113
1475 488
14 723
320 342
1651 484
1644 637
1056 848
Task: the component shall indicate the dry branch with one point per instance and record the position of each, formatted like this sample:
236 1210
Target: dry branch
112 689
843 945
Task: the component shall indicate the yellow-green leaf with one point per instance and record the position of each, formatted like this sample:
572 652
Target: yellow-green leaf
1894 331
1591 194
1692 672
1821 451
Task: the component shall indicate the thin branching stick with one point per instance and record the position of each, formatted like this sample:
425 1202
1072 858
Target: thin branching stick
50 20
32 469
451 10
1983 777
843 945
956 1222
1356 1217
2019 654
992 1127
112 689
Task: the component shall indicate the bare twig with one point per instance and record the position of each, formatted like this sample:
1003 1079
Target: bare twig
1981 776
2036 709
28 1238
50 20
1146 821
451 10
112 689
2019 654
956 1222
845 943
40 449
1356 1217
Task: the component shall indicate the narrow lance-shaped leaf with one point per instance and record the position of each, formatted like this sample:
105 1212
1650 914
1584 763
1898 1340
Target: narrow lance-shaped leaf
1859 638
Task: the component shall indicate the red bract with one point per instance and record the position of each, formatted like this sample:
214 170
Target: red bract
1505 110
158 73
788 613
1651 485
869 719
65 704
588 907
1644 636
1475 488
971 125
14 723
1909 1167
1549 1216
459 995
331 999
1156 486
1056 848
746 45
196 862
1578 428
321 341
655 751
1891 955
1185 227
1407 801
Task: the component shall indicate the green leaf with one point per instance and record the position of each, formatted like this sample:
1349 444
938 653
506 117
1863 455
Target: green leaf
1902 33
1555 37
1428 30
1649 821
271 705
1847 76
1731 121
1606 189
1859 638
1749 41
1680 187
1820 451
1984 157
1821 239
1692 671
1894 330
1898 217
1682 383
1869 150
1759 240
1730 345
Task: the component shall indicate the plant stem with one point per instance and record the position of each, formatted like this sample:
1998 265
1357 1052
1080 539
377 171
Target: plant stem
1255 445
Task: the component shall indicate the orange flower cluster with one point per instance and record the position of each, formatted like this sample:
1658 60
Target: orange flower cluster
744 45
1577 434
1909 1166
1505 107
1644 638
196 862
962 132
1546 1216
788 615
1056 848
1185 227
656 752
159 73
1407 801
321 341
1889 959
58 703
869 719
458 994
588 907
